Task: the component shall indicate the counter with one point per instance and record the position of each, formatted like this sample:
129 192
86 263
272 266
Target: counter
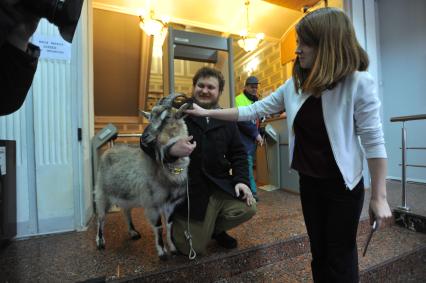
289 179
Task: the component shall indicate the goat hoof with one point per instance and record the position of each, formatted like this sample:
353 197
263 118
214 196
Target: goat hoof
135 235
164 257
101 245
176 252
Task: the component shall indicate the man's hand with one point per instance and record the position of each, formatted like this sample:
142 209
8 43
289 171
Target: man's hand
245 191
183 147
259 140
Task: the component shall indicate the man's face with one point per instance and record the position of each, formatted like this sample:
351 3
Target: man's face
251 89
206 92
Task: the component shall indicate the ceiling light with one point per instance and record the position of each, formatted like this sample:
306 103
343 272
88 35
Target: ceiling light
249 42
151 25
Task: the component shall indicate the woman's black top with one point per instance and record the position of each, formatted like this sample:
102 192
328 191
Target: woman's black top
312 150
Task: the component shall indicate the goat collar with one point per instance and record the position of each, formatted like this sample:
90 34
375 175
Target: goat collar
175 170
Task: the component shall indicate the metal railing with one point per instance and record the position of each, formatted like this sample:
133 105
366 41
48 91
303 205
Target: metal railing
404 148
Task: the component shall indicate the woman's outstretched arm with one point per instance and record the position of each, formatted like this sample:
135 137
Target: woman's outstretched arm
272 104
229 114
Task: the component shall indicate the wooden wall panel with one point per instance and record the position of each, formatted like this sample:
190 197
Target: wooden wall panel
288 46
116 51
293 4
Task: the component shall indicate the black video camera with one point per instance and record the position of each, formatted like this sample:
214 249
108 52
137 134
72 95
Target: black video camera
62 13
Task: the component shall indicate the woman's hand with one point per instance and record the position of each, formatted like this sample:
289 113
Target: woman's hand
245 192
379 210
197 111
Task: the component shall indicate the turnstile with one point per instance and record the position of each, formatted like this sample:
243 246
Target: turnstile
102 137
272 143
8 217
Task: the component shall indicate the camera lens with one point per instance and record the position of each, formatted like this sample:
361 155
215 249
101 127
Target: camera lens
43 9
63 14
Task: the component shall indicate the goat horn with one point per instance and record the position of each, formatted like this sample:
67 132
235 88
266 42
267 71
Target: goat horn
168 100
180 113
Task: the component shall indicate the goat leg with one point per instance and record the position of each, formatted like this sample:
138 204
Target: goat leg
167 212
135 235
172 247
154 217
158 232
101 207
100 240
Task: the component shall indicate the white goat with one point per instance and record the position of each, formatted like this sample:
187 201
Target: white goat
128 177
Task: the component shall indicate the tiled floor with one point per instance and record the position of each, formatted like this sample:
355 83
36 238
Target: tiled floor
73 257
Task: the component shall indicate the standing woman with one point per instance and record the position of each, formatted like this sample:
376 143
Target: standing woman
330 101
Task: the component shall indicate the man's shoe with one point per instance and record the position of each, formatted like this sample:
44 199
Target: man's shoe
225 241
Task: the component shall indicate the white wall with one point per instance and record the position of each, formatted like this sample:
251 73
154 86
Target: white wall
364 18
53 111
82 99
402 33
43 131
54 190
87 112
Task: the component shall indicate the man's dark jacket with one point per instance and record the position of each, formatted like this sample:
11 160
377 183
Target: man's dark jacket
219 148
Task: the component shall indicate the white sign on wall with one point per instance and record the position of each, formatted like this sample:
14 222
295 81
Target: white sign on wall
52 47
3 160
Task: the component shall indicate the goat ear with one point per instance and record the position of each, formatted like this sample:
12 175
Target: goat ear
163 115
145 114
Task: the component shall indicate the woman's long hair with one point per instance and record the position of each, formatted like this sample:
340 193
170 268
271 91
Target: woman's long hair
337 51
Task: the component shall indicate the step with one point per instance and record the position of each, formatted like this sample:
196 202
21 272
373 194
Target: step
230 264
394 255
73 257
409 220
276 233
227 264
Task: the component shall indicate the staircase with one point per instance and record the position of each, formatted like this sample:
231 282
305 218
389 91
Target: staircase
272 247
395 254
405 264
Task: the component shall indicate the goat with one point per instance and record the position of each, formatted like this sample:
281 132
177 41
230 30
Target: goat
128 177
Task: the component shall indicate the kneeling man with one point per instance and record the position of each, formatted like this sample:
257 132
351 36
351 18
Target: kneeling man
219 194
